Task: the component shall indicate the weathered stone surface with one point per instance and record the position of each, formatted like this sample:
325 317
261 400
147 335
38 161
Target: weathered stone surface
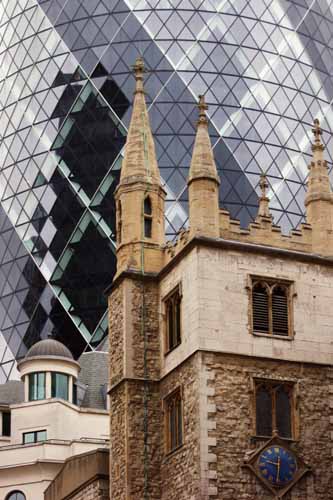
235 424
82 477
219 355
134 397
98 490
180 470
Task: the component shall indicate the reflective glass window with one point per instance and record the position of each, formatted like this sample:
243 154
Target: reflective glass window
34 437
15 495
37 386
60 386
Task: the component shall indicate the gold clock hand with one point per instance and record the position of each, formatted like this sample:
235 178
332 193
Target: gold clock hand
270 462
278 471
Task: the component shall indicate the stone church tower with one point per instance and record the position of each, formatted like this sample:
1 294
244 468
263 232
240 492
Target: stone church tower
221 343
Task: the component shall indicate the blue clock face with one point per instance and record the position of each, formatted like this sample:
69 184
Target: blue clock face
277 465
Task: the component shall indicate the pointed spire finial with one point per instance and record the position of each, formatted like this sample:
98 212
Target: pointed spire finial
263 185
140 156
263 210
139 70
202 110
317 132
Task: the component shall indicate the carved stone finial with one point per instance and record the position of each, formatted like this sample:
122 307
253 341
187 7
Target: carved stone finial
317 132
263 211
263 185
139 70
202 110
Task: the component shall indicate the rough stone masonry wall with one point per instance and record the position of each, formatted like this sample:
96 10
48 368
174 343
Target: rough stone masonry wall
116 334
131 464
97 490
180 470
234 421
134 396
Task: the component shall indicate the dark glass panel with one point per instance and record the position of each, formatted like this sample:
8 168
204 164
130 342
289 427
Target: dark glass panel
59 388
6 423
170 313
89 271
115 97
178 318
263 411
65 213
179 422
37 386
148 227
147 208
74 394
104 202
283 411
89 141
173 425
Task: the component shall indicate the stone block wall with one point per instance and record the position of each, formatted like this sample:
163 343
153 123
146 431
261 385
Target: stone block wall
97 490
134 393
180 470
219 428
82 477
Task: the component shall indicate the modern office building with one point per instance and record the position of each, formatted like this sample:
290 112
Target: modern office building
56 417
265 68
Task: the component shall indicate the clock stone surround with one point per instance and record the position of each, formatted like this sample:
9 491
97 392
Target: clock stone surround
251 461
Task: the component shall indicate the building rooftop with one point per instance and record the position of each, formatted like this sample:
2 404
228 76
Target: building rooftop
94 374
12 392
49 347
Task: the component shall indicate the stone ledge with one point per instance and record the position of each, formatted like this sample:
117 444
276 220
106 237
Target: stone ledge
77 473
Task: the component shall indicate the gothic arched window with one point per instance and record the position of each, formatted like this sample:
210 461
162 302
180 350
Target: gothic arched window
271 307
274 408
148 217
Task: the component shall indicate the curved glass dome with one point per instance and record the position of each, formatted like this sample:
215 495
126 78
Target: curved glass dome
65 102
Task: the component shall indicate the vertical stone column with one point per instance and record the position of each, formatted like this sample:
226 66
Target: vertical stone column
207 414
135 409
26 388
48 385
70 389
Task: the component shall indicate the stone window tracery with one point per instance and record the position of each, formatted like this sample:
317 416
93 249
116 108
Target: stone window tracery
271 307
172 305
274 408
173 408
148 217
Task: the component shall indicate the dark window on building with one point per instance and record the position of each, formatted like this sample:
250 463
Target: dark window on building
74 394
173 320
6 423
59 386
271 305
148 219
37 386
173 421
15 495
274 408
34 437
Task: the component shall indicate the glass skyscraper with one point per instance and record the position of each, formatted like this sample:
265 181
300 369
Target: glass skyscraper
66 88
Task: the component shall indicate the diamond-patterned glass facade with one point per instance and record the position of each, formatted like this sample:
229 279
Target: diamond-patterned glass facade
66 88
